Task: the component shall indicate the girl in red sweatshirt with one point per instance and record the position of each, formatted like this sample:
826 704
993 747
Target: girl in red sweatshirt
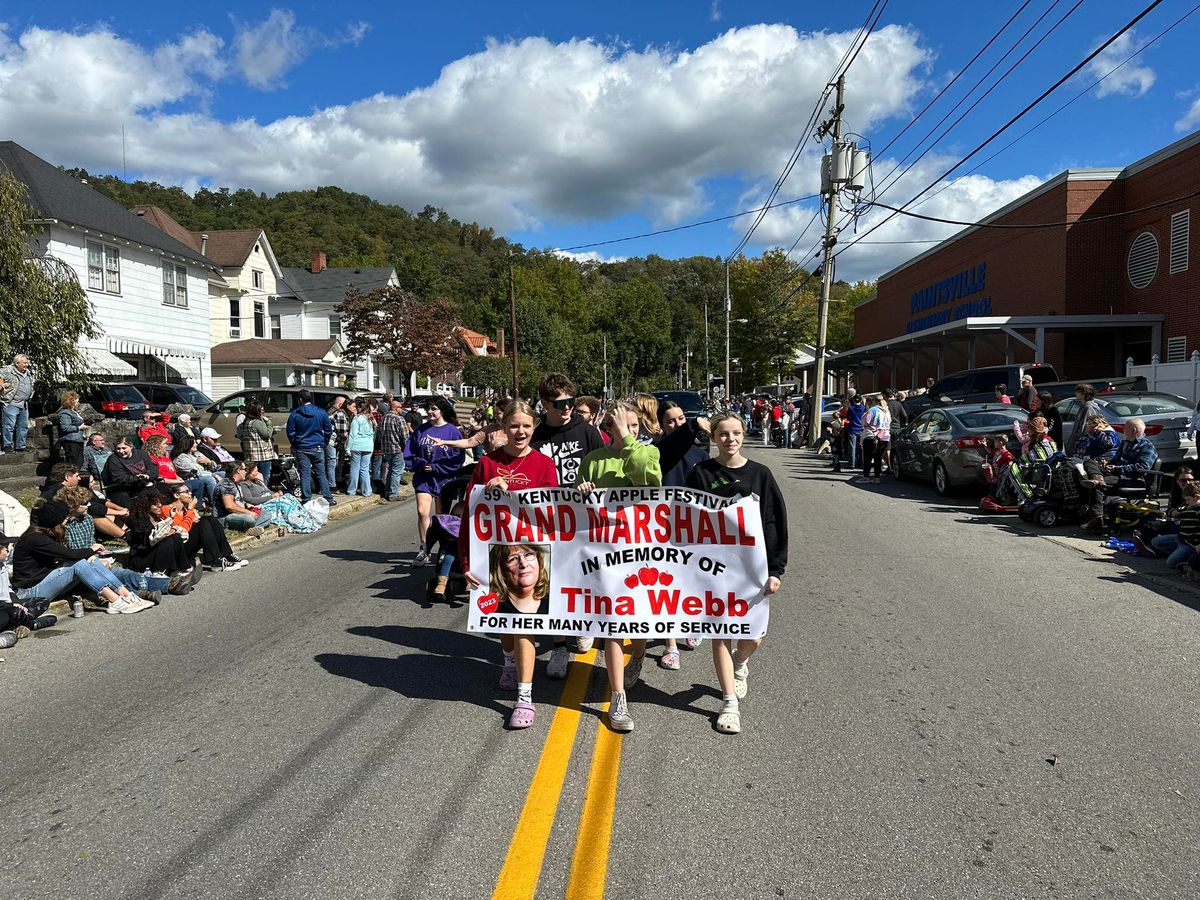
514 467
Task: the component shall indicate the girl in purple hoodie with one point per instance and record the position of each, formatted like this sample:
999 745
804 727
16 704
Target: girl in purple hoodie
432 465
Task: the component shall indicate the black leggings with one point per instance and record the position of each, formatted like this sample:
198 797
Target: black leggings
207 537
873 451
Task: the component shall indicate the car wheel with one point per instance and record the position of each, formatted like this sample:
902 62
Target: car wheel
1047 517
941 479
898 467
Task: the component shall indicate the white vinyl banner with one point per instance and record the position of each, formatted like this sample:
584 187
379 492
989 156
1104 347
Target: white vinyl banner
638 562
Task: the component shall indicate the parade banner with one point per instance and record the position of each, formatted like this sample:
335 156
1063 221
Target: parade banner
636 562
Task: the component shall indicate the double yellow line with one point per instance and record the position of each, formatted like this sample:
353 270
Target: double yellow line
589 864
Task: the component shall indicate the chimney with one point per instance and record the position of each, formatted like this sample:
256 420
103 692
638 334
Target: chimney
500 341
318 262
203 244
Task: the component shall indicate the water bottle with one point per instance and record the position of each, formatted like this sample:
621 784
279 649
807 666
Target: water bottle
144 582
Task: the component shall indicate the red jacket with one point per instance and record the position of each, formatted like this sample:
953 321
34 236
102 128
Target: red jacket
534 470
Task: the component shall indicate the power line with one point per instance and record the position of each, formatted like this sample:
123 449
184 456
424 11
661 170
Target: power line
1047 118
646 234
1033 226
995 134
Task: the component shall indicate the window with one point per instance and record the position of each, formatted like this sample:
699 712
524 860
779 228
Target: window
231 405
1180 228
1177 349
235 317
260 319
278 402
104 268
375 381
252 378
276 328
335 327
277 377
257 278
939 424
174 285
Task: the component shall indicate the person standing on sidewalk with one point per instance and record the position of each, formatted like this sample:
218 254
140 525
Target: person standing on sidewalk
16 390
854 430
360 446
335 450
393 435
1027 396
258 440
309 430
877 433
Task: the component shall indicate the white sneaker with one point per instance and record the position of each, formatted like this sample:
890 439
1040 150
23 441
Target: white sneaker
560 659
580 644
740 676
125 606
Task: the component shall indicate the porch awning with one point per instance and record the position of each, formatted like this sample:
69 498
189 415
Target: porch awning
98 361
141 348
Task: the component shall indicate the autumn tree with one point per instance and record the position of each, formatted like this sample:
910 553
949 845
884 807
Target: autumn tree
44 311
402 331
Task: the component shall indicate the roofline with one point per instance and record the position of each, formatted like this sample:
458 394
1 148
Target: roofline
197 260
1158 156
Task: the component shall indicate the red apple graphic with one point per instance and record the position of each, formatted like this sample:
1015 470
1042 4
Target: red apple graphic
648 575
488 603
631 582
665 579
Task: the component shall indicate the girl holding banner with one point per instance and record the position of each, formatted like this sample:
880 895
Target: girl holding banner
730 474
514 467
624 463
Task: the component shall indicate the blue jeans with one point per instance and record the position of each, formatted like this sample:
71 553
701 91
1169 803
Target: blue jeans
1177 551
360 473
264 466
311 460
853 448
94 576
245 521
16 425
395 463
377 468
331 465
203 488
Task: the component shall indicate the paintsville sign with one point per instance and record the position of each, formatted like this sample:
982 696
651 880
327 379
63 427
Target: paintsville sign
636 562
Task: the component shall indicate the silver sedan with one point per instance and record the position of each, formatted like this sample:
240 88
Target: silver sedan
1167 418
948 446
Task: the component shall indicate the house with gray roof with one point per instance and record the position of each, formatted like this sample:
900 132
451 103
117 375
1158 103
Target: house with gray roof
149 290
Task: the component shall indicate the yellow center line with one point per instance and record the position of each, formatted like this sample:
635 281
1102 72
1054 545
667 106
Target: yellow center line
523 863
589 865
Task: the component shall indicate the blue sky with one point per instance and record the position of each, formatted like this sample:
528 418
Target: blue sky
561 124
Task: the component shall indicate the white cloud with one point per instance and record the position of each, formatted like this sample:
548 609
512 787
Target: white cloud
517 134
1190 119
714 11
966 200
589 256
1131 80
266 52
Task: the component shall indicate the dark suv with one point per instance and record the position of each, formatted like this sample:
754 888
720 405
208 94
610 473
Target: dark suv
160 394
114 401
978 385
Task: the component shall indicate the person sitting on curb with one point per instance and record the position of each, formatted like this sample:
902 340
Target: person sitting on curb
44 568
151 425
80 534
210 454
128 473
156 546
1136 456
16 621
95 455
203 534
230 505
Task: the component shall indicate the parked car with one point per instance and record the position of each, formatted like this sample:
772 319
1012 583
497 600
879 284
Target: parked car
160 394
979 385
1166 417
115 401
278 403
690 402
948 445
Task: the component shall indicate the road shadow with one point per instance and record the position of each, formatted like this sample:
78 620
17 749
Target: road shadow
400 581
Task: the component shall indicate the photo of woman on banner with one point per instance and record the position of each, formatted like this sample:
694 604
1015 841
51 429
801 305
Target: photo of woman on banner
729 474
520 578
514 467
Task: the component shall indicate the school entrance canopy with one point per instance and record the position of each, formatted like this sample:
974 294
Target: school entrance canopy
1013 337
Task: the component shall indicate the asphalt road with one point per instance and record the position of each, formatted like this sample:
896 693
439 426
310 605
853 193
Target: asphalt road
942 709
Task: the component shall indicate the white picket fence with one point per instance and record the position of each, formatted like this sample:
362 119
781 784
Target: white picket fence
1182 378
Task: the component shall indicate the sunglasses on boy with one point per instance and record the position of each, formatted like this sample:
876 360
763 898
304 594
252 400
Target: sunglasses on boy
562 405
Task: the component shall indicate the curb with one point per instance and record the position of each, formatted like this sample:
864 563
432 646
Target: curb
347 508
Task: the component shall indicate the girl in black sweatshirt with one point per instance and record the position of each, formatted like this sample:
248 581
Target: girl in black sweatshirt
730 474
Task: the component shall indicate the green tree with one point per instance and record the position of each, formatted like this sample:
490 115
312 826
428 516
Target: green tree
769 312
44 311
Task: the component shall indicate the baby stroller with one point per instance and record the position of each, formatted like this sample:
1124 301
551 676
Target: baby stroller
443 534
285 476
1058 495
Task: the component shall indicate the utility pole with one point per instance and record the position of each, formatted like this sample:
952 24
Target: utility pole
512 312
707 367
606 368
835 186
728 313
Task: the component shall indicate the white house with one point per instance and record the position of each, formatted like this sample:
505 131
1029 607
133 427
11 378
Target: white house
149 291
306 303
277 363
241 297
